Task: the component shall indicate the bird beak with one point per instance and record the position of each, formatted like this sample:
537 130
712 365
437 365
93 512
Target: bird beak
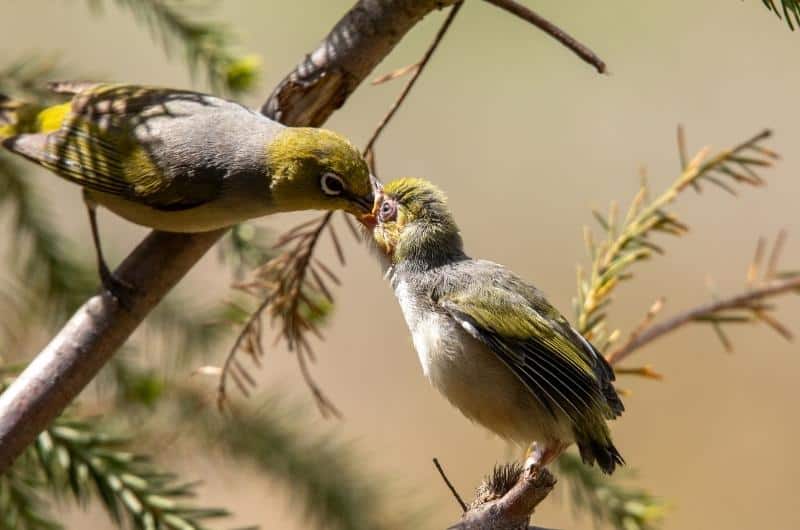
368 202
370 220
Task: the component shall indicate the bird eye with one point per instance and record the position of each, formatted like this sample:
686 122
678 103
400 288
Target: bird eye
331 184
388 211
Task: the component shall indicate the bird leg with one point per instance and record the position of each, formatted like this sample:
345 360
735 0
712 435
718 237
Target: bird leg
119 289
539 455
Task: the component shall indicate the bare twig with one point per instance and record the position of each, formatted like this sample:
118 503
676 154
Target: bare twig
318 86
656 308
745 300
449 484
554 31
418 69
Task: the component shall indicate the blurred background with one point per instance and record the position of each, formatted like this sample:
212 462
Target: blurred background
526 140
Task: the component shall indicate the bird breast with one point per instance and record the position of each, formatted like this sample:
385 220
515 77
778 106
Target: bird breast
473 378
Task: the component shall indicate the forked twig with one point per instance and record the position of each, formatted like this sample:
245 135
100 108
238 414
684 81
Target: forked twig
417 68
554 31
746 300
747 306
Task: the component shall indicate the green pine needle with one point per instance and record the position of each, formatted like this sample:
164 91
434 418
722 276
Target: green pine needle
623 508
80 460
789 8
207 45
323 477
21 505
628 242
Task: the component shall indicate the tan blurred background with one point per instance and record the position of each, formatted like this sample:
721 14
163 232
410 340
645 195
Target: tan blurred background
526 140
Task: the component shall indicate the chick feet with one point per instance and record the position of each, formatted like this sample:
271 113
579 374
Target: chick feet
540 455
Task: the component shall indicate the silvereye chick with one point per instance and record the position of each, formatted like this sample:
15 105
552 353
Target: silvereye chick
180 161
489 341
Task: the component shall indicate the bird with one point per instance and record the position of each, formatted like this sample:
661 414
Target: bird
489 341
182 161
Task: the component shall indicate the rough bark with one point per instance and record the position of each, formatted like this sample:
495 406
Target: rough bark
510 509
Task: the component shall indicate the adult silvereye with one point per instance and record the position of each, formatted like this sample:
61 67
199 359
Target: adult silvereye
181 161
489 341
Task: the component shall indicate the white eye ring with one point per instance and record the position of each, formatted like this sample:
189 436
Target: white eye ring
331 184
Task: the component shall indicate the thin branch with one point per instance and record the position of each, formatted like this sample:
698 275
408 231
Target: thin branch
449 484
743 300
656 308
554 31
419 67
318 86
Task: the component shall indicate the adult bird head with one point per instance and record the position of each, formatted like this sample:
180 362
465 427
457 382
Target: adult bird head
410 221
316 169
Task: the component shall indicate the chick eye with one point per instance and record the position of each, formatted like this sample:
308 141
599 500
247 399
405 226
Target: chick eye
388 211
331 184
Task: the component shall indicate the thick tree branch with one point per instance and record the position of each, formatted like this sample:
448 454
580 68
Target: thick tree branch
318 86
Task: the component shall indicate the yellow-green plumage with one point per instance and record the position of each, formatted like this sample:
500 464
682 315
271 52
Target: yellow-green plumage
489 341
182 161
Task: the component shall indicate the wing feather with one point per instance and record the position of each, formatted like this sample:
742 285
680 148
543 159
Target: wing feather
96 145
558 368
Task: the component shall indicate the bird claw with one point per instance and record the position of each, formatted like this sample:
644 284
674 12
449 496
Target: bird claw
121 290
532 465
540 455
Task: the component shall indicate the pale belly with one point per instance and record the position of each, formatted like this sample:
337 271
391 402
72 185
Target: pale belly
477 382
203 218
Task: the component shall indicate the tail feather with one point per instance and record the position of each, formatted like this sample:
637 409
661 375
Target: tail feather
601 451
31 146
613 399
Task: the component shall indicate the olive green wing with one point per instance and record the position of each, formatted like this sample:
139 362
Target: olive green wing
529 336
100 141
